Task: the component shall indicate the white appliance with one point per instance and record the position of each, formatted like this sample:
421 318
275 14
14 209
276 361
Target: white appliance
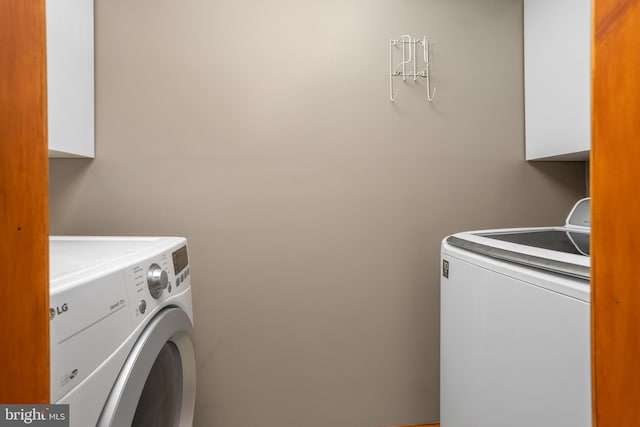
120 315
515 326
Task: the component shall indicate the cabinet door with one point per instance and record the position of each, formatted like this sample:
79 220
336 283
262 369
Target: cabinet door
557 79
70 78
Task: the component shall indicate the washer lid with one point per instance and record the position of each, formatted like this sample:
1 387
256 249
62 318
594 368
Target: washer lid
561 240
563 250
568 264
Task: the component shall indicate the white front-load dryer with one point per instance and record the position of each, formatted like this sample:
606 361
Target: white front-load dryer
121 315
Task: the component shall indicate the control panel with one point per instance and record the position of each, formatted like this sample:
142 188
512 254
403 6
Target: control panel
580 215
156 279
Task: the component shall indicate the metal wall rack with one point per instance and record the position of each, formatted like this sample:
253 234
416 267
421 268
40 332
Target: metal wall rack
408 67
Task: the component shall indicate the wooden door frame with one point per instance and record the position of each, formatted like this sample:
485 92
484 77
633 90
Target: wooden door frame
615 189
24 222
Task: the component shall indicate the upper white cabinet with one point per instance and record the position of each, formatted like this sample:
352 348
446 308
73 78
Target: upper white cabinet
70 85
557 76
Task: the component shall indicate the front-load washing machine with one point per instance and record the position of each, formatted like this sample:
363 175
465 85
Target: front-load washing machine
515 326
120 318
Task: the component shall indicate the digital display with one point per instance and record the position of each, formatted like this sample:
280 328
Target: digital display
180 259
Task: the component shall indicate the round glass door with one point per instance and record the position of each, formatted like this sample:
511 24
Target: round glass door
161 397
157 383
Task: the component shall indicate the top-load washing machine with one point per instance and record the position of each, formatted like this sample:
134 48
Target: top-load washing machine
515 326
120 316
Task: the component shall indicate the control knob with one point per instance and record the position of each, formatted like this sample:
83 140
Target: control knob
157 280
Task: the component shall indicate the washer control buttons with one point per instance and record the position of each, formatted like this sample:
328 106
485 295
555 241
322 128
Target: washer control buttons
169 288
177 281
142 307
157 280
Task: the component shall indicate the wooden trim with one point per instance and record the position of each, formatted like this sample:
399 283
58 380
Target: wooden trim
24 292
615 189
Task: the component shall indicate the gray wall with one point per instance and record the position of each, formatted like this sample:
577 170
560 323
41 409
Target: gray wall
314 207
